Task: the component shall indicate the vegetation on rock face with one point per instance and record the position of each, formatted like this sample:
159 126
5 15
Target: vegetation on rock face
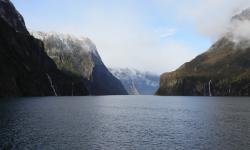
225 64
69 53
224 70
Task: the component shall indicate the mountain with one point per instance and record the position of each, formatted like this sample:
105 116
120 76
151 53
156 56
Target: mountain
79 56
10 15
25 68
224 70
137 82
244 15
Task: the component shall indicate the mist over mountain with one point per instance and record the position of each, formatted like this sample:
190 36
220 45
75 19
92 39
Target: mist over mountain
239 31
63 64
79 56
137 82
224 70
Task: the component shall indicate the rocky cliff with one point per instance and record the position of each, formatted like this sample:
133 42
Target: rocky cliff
79 55
25 68
10 15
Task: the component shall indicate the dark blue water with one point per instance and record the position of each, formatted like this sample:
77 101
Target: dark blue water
125 122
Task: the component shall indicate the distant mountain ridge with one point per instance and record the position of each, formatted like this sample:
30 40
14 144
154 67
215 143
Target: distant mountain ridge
224 70
137 82
79 55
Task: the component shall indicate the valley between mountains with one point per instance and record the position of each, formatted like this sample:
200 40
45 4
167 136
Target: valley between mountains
36 63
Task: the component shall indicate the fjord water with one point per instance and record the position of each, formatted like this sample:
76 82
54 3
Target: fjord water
125 122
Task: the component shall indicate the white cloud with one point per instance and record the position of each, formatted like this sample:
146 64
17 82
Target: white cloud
240 30
123 40
124 32
212 18
166 32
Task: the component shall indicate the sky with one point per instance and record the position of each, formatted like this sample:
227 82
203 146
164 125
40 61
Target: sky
149 35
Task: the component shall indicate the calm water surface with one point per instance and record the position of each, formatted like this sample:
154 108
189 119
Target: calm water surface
125 122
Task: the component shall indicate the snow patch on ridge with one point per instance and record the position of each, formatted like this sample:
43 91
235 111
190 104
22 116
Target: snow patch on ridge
86 44
133 74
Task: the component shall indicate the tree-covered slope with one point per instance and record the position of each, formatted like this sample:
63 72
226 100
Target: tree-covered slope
224 70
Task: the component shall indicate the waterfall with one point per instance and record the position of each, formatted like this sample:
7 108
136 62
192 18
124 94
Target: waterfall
210 93
51 84
229 90
204 86
134 87
72 90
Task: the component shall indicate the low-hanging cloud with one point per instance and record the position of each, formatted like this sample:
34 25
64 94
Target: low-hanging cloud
141 34
240 30
213 18
124 40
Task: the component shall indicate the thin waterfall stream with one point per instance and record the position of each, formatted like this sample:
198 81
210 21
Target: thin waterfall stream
51 84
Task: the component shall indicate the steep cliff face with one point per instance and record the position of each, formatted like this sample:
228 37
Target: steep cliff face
79 56
224 70
9 14
137 82
71 54
25 68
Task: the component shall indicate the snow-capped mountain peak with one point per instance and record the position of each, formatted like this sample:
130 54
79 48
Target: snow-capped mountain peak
135 81
67 40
